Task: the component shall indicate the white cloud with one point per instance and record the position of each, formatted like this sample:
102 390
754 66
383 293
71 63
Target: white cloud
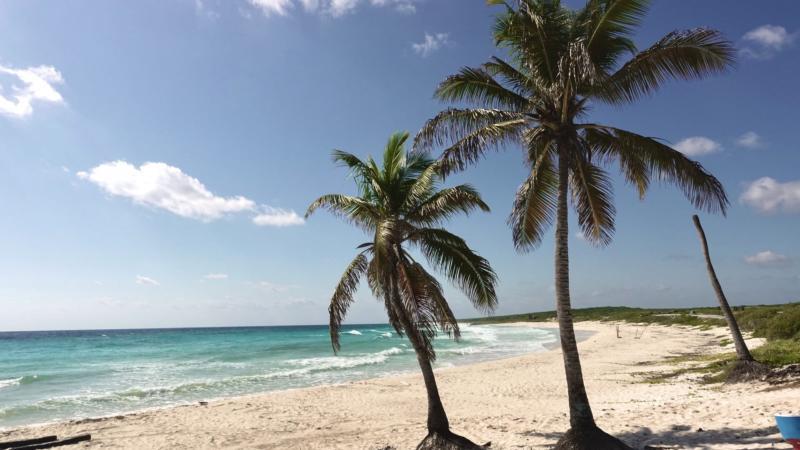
431 44
697 146
216 276
310 5
750 140
768 195
580 236
768 258
772 36
341 7
146 281
334 8
766 40
37 86
276 217
403 6
163 186
269 7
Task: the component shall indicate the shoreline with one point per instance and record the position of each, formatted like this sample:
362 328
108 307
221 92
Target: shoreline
518 401
546 346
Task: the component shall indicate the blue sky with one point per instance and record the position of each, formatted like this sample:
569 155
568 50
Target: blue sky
157 156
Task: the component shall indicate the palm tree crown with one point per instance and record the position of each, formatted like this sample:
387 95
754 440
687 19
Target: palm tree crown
401 205
561 61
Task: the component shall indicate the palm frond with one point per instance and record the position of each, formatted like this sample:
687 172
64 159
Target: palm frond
471 148
534 204
520 82
470 272
445 203
651 159
536 34
687 55
352 209
610 26
343 296
477 86
593 198
422 184
445 318
452 125
416 307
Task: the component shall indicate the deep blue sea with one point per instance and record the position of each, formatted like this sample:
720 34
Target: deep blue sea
58 375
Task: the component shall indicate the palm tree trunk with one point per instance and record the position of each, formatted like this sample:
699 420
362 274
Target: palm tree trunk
437 418
738 341
580 413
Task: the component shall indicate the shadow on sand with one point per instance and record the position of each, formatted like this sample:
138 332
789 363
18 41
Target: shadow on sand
686 437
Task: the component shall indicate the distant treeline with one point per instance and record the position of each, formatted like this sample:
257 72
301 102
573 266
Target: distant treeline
768 321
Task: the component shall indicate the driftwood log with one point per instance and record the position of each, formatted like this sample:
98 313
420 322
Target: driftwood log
15 444
57 443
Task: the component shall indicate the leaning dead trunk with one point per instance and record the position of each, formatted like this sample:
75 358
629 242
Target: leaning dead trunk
583 433
738 341
746 367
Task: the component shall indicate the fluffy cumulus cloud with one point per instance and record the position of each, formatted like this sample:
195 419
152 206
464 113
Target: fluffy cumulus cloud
768 258
334 8
769 195
163 186
146 281
28 86
431 44
698 146
766 40
159 185
750 140
277 217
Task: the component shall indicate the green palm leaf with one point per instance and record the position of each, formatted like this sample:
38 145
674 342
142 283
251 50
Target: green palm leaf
343 296
691 54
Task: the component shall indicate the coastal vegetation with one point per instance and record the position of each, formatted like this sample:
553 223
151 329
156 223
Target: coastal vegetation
779 325
773 322
401 205
560 62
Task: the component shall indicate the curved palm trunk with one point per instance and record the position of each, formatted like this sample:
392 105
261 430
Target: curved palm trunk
580 413
738 341
437 418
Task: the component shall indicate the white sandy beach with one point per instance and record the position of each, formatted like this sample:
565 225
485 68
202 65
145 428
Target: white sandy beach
516 403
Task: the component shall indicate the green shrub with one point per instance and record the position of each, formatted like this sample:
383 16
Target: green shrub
785 325
778 352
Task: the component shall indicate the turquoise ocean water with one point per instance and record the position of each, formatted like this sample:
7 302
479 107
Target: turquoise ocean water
59 375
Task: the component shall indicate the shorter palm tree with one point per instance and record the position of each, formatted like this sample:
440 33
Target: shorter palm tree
401 205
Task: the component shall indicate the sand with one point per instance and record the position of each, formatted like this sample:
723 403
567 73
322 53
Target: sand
516 403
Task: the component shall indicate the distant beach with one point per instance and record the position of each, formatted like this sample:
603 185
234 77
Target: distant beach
515 402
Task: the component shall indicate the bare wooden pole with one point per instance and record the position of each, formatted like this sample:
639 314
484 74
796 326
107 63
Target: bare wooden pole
738 341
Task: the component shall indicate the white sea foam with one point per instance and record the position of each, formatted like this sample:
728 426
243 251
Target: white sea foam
10 382
354 332
345 362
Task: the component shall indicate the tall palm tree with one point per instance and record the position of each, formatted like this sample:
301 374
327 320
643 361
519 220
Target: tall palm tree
559 62
401 206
